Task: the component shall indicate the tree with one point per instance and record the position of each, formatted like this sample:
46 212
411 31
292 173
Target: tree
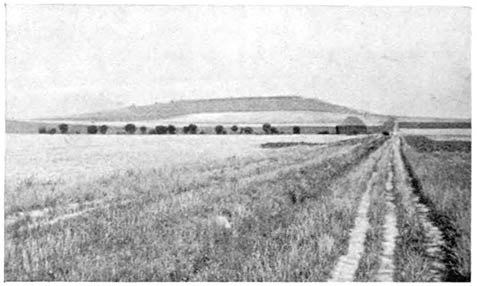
219 129
161 129
171 129
92 129
274 130
185 129
234 128
103 129
143 129
246 130
192 129
63 128
52 131
296 129
42 130
130 128
267 127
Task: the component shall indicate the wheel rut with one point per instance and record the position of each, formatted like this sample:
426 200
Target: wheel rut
345 269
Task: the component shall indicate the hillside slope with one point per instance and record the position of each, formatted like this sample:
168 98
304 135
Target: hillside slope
240 104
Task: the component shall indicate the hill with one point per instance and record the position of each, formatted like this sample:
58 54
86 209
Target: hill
223 105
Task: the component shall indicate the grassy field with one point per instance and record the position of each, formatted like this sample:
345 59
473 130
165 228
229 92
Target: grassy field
289 215
261 208
442 176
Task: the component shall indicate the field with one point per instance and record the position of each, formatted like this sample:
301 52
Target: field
222 208
440 134
441 172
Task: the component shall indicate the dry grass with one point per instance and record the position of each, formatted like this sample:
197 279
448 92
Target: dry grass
443 180
35 193
287 225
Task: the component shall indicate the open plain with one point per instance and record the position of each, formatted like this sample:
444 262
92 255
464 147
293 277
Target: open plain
221 208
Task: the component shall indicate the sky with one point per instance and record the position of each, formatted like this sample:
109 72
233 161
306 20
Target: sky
410 61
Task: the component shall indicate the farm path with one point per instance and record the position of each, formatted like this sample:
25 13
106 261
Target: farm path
388 163
348 263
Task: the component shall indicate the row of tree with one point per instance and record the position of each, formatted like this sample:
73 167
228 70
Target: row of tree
169 129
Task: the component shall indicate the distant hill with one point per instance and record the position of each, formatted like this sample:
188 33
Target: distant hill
223 105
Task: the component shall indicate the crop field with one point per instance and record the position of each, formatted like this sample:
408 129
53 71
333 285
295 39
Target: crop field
441 134
232 208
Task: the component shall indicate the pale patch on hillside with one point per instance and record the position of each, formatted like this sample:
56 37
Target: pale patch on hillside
273 117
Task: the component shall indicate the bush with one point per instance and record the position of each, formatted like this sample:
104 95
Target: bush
152 131
185 129
52 131
171 129
92 129
234 128
161 129
192 129
219 129
103 129
246 130
42 130
296 129
143 129
130 128
267 128
274 130
63 128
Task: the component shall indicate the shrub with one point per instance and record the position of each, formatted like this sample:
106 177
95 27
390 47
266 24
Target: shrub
274 130
323 132
219 129
143 129
130 128
171 129
192 129
52 131
296 129
246 130
202 132
267 128
92 129
161 129
42 130
103 129
63 128
185 129
151 131
234 128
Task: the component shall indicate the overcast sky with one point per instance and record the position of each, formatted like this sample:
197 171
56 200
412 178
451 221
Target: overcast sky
74 59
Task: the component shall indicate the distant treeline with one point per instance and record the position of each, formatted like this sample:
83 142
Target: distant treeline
435 125
131 128
266 128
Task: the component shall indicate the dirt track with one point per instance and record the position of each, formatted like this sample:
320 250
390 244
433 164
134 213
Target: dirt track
388 163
